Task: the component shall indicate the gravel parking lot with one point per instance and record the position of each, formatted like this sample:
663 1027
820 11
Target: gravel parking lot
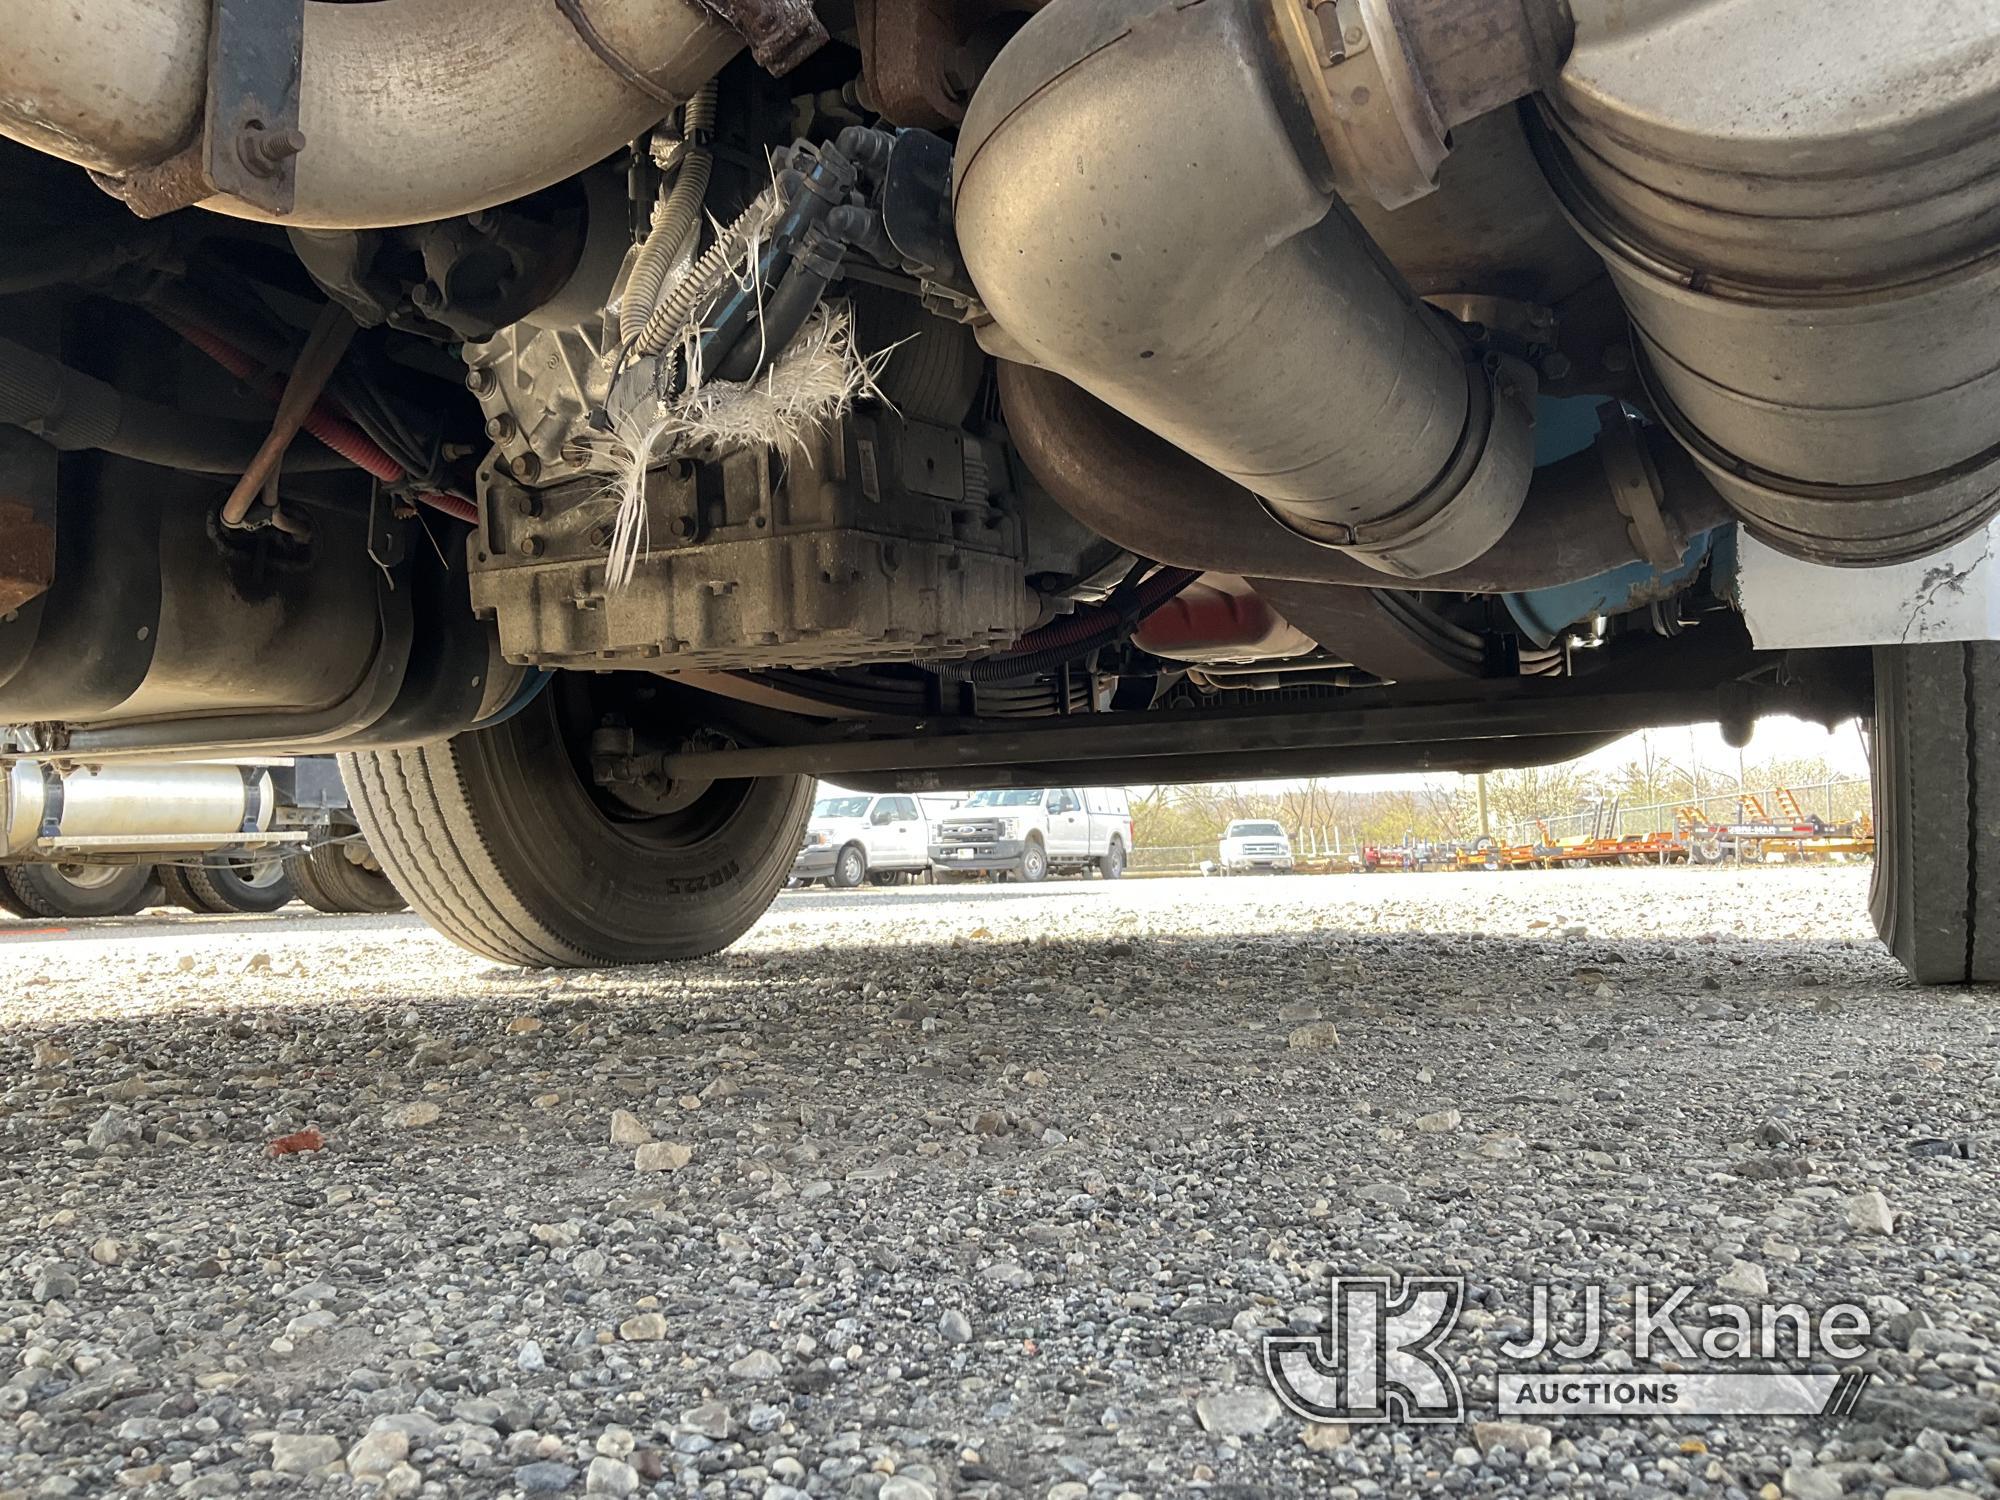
975 1190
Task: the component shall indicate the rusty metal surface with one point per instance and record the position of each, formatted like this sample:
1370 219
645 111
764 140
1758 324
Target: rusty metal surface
920 59
905 47
781 33
249 140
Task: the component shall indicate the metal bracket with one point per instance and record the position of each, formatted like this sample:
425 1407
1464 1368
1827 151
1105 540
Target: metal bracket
388 533
124 843
1635 489
1374 114
916 212
250 137
52 801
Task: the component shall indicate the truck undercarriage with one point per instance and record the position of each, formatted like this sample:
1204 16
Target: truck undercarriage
593 431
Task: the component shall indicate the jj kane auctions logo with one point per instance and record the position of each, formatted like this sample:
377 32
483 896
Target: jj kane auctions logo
1380 1357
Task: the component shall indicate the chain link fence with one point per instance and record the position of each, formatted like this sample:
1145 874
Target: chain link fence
1176 857
1309 846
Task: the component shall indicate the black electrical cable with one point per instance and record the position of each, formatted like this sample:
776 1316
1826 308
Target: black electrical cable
69 409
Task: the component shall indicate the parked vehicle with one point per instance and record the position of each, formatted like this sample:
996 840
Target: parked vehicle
1255 844
858 836
596 420
1025 833
113 839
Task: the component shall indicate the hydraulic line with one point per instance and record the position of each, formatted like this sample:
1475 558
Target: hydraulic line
339 434
1075 636
308 377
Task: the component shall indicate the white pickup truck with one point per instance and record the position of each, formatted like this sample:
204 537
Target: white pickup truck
852 836
1027 832
1254 844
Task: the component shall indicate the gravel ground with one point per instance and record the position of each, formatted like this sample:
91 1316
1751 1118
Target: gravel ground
974 1191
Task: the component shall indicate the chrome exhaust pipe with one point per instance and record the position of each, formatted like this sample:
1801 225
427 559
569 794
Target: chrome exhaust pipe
1145 195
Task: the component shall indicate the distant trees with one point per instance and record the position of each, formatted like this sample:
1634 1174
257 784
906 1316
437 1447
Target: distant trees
1656 774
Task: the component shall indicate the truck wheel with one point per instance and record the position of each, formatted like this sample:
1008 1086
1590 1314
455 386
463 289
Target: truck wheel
850 869
79 890
502 841
1113 863
330 879
1935 892
9 902
1034 863
248 884
173 878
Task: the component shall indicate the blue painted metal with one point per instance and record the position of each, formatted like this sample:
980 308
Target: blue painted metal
1564 425
530 689
1543 614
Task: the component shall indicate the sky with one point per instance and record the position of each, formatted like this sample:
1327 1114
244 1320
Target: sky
1776 738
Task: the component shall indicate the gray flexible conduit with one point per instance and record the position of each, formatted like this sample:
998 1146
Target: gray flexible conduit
677 218
664 324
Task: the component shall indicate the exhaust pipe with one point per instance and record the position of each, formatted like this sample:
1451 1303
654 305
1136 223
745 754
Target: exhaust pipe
411 110
1151 498
1145 195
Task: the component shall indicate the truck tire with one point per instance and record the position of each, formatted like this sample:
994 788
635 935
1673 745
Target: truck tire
79 890
328 879
1935 891
1112 865
850 869
1034 862
242 885
500 842
173 878
10 903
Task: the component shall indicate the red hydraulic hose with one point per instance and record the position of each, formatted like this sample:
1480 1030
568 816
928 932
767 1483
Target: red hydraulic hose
322 421
1063 641
1101 621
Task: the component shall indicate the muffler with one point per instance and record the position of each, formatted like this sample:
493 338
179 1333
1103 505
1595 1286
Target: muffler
1145 195
1799 201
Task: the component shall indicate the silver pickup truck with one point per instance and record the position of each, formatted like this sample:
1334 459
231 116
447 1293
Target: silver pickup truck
1024 833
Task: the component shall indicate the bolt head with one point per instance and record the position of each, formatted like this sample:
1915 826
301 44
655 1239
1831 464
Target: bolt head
533 546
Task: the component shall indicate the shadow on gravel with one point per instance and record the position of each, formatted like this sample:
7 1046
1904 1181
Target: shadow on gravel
1452 979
